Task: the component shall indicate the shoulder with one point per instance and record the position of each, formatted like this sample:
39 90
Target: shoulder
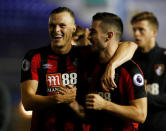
33 52
132 69
133 78
161 54
32 56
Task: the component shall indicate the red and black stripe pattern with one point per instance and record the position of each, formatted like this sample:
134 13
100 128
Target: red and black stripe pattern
52 70
130 86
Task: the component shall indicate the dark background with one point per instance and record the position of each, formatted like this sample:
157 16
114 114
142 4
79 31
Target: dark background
23 26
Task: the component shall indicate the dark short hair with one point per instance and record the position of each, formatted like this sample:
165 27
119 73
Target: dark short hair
149 16
63 9
110 20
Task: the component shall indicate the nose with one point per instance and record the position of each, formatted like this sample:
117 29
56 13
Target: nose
136 32
57 28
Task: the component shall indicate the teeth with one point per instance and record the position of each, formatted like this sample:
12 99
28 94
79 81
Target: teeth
58 36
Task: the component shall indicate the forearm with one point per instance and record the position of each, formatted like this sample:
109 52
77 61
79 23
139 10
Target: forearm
130 113
124 53
78 109
35 102
31 100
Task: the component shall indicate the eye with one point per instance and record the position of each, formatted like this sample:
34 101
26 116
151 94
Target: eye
62 25
141 29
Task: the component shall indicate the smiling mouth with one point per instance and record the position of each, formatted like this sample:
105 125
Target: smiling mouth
137 40
57 37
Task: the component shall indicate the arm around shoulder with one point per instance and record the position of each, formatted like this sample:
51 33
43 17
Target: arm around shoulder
124 53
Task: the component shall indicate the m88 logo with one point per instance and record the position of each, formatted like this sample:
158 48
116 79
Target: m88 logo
58 79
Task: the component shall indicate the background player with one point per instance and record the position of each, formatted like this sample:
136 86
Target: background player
80 36
151 59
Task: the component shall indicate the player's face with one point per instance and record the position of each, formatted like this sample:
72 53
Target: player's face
61 28
143 33
84 40
97 36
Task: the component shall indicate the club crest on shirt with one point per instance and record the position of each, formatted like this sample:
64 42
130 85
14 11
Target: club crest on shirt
138 80
159 69
25 65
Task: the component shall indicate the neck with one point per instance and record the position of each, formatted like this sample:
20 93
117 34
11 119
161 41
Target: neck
62 49
106 55
149 47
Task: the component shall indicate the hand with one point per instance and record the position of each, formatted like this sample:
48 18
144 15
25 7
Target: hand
66 94
66 89
94 101
107 80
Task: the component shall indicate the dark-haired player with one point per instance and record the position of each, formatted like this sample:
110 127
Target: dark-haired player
126 106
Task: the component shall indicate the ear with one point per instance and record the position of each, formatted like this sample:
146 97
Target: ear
74 28
109 36
155 32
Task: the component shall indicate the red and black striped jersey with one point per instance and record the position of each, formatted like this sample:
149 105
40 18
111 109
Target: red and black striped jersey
130 86
53 70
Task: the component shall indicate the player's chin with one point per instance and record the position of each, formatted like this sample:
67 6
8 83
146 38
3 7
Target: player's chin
139 43
59 44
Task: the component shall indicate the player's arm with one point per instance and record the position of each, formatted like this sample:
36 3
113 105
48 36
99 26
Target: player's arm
33 101
124 53
136 111
78 109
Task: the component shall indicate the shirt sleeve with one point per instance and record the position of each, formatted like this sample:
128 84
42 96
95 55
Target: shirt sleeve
135 81
30 66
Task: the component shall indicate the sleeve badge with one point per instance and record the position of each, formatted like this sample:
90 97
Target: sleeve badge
25 65
138 80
